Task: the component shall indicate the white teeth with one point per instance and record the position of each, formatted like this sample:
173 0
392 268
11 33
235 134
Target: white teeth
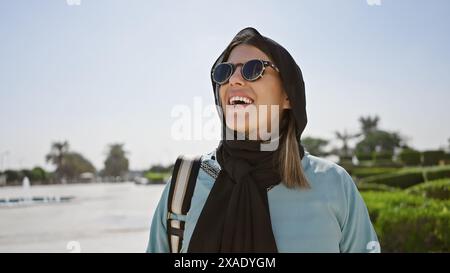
237 98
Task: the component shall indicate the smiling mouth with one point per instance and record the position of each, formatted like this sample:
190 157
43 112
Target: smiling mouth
238 100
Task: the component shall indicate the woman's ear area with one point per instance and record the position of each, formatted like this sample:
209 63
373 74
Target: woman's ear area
286 103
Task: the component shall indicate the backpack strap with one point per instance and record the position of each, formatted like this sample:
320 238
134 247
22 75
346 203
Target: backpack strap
181 190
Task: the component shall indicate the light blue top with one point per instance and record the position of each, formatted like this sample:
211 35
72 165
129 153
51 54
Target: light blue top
329 217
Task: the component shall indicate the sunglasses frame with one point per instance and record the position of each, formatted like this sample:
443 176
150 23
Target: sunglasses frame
233 69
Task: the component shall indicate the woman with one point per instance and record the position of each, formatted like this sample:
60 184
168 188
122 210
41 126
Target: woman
273 198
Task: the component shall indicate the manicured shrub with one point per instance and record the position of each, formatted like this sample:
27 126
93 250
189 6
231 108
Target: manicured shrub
437 189
398 179
408 177
447 157
386 163
432 157
374 187
409 223
371 171
438 173
379 201
410 157
414 229
382 156
156 177
364 156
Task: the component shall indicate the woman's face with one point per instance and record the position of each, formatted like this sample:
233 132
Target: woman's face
264 93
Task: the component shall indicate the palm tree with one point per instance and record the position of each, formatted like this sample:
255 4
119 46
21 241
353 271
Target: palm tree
56 156
369 124
345 137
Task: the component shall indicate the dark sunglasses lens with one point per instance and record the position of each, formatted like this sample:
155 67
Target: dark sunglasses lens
252 69
222 73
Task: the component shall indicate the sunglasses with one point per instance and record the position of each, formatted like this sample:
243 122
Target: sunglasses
250 71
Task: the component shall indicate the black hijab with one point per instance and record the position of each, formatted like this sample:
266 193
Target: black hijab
235 217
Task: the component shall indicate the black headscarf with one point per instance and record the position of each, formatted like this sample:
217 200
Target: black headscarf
235 217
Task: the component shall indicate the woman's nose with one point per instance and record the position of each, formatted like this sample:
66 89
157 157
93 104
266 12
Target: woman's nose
236 78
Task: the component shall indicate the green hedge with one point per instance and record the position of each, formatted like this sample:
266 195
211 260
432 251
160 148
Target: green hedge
386 163
447 156
379 201
383 156
410 157
437 189
371 171
398 179
156 176
438 173
364 156
432 157
408 177
374 187
409 223
375 156
414 230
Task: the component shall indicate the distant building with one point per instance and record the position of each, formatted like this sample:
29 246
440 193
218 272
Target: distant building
87 177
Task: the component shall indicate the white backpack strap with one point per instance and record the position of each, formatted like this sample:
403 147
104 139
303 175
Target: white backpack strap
181 190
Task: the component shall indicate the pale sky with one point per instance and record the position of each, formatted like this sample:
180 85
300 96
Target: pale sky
112 71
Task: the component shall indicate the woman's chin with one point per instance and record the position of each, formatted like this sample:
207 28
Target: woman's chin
238 129
250 132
